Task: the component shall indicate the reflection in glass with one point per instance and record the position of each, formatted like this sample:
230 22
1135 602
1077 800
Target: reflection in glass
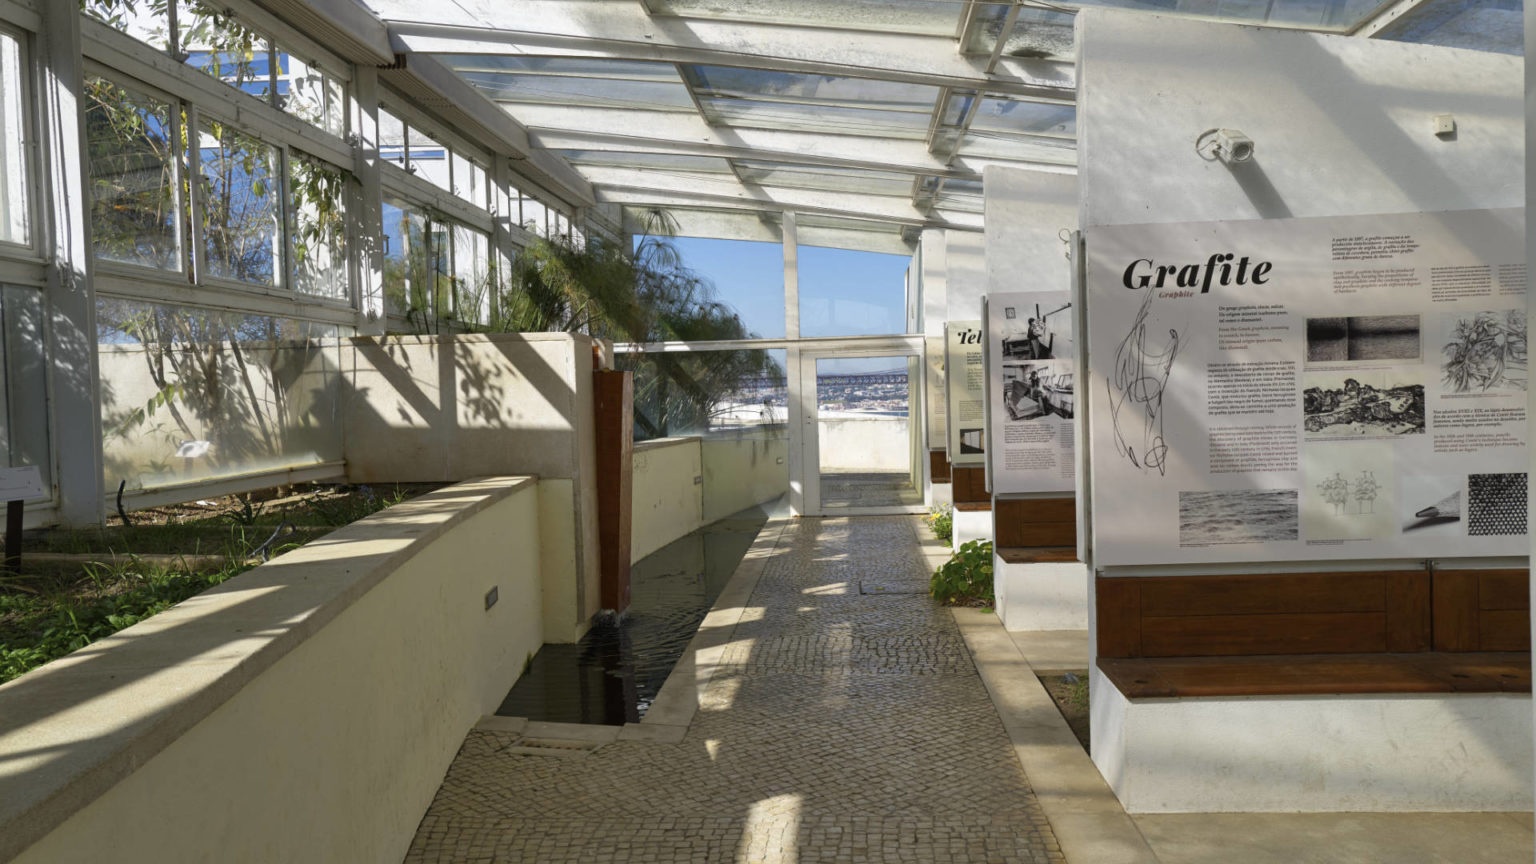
130 155
309 93
429 160
471 275
391 138
263 393
319 193
23 377
145 20
213 41
695 393
240 205
407 291
15 200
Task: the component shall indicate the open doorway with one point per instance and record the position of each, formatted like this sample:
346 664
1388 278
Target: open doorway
865 407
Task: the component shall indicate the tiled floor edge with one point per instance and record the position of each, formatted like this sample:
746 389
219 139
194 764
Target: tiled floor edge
1088 820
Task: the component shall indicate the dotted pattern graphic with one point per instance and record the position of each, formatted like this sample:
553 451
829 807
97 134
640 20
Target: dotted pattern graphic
1496 504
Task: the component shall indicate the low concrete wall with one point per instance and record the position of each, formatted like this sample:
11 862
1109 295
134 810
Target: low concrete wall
668 501
744 468
971 525
1041 596
304 711
865 444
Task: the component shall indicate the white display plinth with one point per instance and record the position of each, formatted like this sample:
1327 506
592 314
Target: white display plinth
972 525
1041 595
1271 754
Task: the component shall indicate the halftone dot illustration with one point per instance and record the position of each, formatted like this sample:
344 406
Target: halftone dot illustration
1496 504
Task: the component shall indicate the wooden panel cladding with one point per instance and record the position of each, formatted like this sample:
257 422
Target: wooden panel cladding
938 466
969 484
1489 672
1272 613
1482 610
613 413
1037 554
973 506
1023 522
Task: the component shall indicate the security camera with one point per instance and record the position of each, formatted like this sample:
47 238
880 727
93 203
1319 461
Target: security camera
1233 146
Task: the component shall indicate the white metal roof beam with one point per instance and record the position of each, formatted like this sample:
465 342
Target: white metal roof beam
745 225
671 190
559 127
1384 17
599 29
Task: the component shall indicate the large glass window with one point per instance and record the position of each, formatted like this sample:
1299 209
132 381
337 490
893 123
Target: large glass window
310 93
407 265
745 277
391 138
429 160
131 155
240 205
217 43
15 197
144 21
191 394
696 393
23 376
319 193
471 275
849 293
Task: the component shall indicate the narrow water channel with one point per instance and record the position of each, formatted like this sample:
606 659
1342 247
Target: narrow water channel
614 673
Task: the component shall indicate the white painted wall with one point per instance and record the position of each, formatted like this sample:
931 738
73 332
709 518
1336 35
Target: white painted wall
332 688
1341 126
1041 596
965 279
667 503
971 525
447 408
743 468
865 444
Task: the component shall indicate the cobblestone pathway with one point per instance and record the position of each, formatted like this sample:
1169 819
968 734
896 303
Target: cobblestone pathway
844 727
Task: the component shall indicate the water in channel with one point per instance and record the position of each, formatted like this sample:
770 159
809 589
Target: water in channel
613 674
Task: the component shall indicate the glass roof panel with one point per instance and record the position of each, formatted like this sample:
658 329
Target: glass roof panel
815 118
1055 151
565 90
640 70
829 179
654 161
731 82
1330 15
1019 117
1482 25
963 203
936 17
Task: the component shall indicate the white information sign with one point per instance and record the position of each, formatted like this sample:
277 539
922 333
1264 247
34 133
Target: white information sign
21 484
965 382
1031 396
1325 388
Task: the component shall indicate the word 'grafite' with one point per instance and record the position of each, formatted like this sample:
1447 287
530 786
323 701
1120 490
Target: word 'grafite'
1218 269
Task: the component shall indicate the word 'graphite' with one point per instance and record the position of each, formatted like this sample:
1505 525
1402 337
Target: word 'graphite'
1219 268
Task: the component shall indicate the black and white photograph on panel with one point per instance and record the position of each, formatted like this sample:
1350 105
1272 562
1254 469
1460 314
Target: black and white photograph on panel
1496 504
1369 403
1036 332
1237 516
1348 491
1431 505
1032 391
972 441
1484 352
1363 338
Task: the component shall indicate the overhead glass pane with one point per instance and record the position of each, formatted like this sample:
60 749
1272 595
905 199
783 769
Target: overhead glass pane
1031 118
964 203
1037 33
319 200
847 293
1481 25
611 84
829 179
637 70
1026 148
658 161
741 279
212 40
820 90
191 394
816 118
240 205
131 157
933 17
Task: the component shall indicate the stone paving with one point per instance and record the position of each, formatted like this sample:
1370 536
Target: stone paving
843 727
841 490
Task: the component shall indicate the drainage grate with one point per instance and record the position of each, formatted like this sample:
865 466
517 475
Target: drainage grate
551 747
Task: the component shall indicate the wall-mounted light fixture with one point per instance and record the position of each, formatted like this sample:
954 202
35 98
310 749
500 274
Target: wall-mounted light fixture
1229 146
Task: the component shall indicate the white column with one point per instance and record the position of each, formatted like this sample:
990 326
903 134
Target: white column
71 302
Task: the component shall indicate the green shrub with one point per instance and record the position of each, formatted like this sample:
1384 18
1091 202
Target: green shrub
942 520
966 578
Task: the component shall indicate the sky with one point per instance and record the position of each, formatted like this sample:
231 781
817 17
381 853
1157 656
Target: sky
842 292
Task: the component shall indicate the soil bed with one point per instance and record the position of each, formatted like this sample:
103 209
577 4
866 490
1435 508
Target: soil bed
79 585
1071 697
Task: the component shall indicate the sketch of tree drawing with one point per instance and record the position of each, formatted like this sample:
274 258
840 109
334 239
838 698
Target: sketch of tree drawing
1365 492
1487 350
1335 491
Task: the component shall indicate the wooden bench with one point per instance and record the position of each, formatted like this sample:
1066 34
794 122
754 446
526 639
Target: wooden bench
1399 631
